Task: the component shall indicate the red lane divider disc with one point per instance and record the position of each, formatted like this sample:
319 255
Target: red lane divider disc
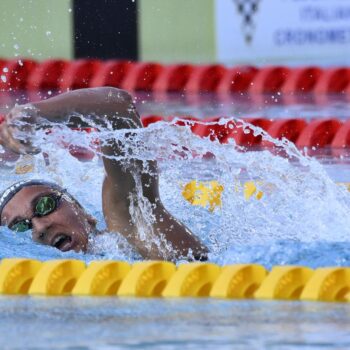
243 138
81 153
319 133
142 76
186 121
2 66
46 75
78 74
183 120
14 74
302 80
150 119
111 73
288 128
333 80
5 97
213 131
341 141
202 129
173 78
205 78
269 80
237 80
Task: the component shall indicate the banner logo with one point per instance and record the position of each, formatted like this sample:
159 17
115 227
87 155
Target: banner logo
247 9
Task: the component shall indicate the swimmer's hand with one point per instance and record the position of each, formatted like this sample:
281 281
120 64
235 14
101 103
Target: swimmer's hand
103 107
16 130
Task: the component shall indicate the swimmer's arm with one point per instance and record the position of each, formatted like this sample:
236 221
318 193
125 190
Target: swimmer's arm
78 108
119 186
165 238
116 107
99 104
122 185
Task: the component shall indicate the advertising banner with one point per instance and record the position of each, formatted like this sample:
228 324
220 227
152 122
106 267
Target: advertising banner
290 31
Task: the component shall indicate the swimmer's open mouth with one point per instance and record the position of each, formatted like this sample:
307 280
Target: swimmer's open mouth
62 242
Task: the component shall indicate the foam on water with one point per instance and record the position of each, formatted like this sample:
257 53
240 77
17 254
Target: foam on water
303 217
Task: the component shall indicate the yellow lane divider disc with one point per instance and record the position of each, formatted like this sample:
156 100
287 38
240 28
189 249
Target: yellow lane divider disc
328 284
57 277
16 275
192 280
25 164
147 279
204 194
101 278
238 281
284 282
345 184
249 189
208 194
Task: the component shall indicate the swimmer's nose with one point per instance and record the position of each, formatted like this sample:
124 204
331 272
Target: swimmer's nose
41 227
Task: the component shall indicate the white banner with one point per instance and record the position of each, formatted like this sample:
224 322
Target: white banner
283 31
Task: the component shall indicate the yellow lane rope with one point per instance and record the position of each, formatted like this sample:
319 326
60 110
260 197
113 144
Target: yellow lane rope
165 279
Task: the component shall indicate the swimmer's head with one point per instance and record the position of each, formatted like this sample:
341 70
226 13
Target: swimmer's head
55 217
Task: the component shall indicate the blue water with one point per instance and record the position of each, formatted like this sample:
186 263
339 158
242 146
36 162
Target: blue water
111 323
303 219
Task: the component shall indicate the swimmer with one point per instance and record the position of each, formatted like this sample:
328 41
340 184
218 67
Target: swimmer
57 219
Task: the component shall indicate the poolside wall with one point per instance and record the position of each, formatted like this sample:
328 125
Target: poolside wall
228 31
39 29
167 29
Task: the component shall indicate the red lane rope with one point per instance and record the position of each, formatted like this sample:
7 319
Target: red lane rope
27 74
316 134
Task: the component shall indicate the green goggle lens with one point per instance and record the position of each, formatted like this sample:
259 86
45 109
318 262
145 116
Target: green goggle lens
45 206
21 226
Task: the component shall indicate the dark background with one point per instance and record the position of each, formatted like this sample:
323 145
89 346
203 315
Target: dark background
108 30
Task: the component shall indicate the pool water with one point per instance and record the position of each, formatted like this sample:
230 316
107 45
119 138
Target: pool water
112 323
302 219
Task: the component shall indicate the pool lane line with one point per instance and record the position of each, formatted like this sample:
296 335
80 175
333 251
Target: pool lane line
162 279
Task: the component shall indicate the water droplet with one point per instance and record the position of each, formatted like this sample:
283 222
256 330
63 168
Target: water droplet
3 78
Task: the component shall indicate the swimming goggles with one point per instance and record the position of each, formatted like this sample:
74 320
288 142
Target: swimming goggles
45 205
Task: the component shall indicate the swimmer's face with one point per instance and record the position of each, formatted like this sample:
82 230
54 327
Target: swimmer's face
67 227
